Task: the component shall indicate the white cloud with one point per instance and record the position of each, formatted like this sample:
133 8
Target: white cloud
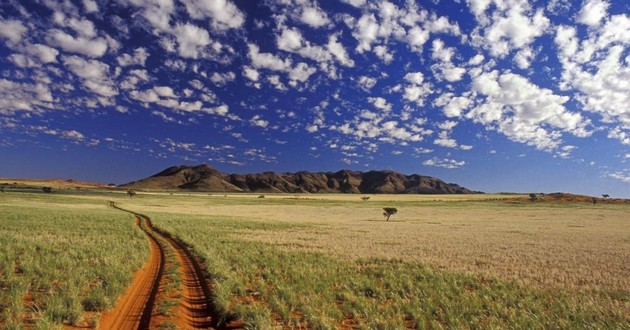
95 75
224 14
192 40
338 51
12 30
267 60
275 81
222 79
34 56
355 3
452 106
251 73
366 82
16 96
444 163
525 112
365 32
165 91
73 135
598 68
417 90
139 57
90 6
623 176
258 121
384 54
380 103
513 26
592 12
314 17
301 72
524 58
81 45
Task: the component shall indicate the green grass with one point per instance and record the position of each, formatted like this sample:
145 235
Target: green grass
261 282
71 256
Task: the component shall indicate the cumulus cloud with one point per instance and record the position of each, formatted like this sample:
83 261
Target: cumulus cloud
314 16
139 57
417 90
258 121
291 40
80 45
191 40
513 25
444 163
597 67
224 13
222 79
17 96
367 83
452 106
95 75
267 60
592 12
12 30
525 112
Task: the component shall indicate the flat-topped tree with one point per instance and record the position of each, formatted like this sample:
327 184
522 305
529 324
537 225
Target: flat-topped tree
389 211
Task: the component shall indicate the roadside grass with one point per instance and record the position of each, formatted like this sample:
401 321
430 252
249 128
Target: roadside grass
61 257
275 286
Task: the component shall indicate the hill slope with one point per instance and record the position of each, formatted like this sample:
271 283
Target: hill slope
205 178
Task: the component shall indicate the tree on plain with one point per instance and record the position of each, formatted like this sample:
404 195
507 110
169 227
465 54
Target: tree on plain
365 198
131 193
605 195
532 197
389 211
47 190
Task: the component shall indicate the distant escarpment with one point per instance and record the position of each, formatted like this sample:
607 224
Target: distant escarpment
207 179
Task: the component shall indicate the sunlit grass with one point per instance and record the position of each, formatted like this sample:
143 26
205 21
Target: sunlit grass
61 258
270 284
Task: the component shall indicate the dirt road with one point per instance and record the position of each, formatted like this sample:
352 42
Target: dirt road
138 308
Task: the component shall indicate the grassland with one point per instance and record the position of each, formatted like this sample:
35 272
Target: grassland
331 261
63 259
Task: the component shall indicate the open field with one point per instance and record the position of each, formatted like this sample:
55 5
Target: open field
63 260
572 255
457 261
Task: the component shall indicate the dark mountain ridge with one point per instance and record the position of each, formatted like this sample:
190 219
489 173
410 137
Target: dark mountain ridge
205 178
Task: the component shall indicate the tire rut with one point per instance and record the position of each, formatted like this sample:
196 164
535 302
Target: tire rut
135 310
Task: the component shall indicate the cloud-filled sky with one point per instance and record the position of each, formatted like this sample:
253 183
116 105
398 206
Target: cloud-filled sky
496 95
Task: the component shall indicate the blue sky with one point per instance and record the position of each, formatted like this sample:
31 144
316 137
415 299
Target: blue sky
496 95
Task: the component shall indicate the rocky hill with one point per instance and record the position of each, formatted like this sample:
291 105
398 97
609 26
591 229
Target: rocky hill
206 178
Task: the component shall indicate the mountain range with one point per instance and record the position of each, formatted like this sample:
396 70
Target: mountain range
207 179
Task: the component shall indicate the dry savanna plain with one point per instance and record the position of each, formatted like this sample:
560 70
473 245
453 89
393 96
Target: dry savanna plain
68 258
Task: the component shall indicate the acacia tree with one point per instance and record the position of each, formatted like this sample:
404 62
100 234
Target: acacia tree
605 195
389 211
365 198
532 197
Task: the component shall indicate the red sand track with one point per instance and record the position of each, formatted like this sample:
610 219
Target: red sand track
135 309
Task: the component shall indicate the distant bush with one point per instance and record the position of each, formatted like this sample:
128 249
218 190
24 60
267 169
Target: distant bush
47 190
261 196
365 198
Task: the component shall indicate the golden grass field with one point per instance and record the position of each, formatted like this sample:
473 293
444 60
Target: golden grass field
579 252
573 246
